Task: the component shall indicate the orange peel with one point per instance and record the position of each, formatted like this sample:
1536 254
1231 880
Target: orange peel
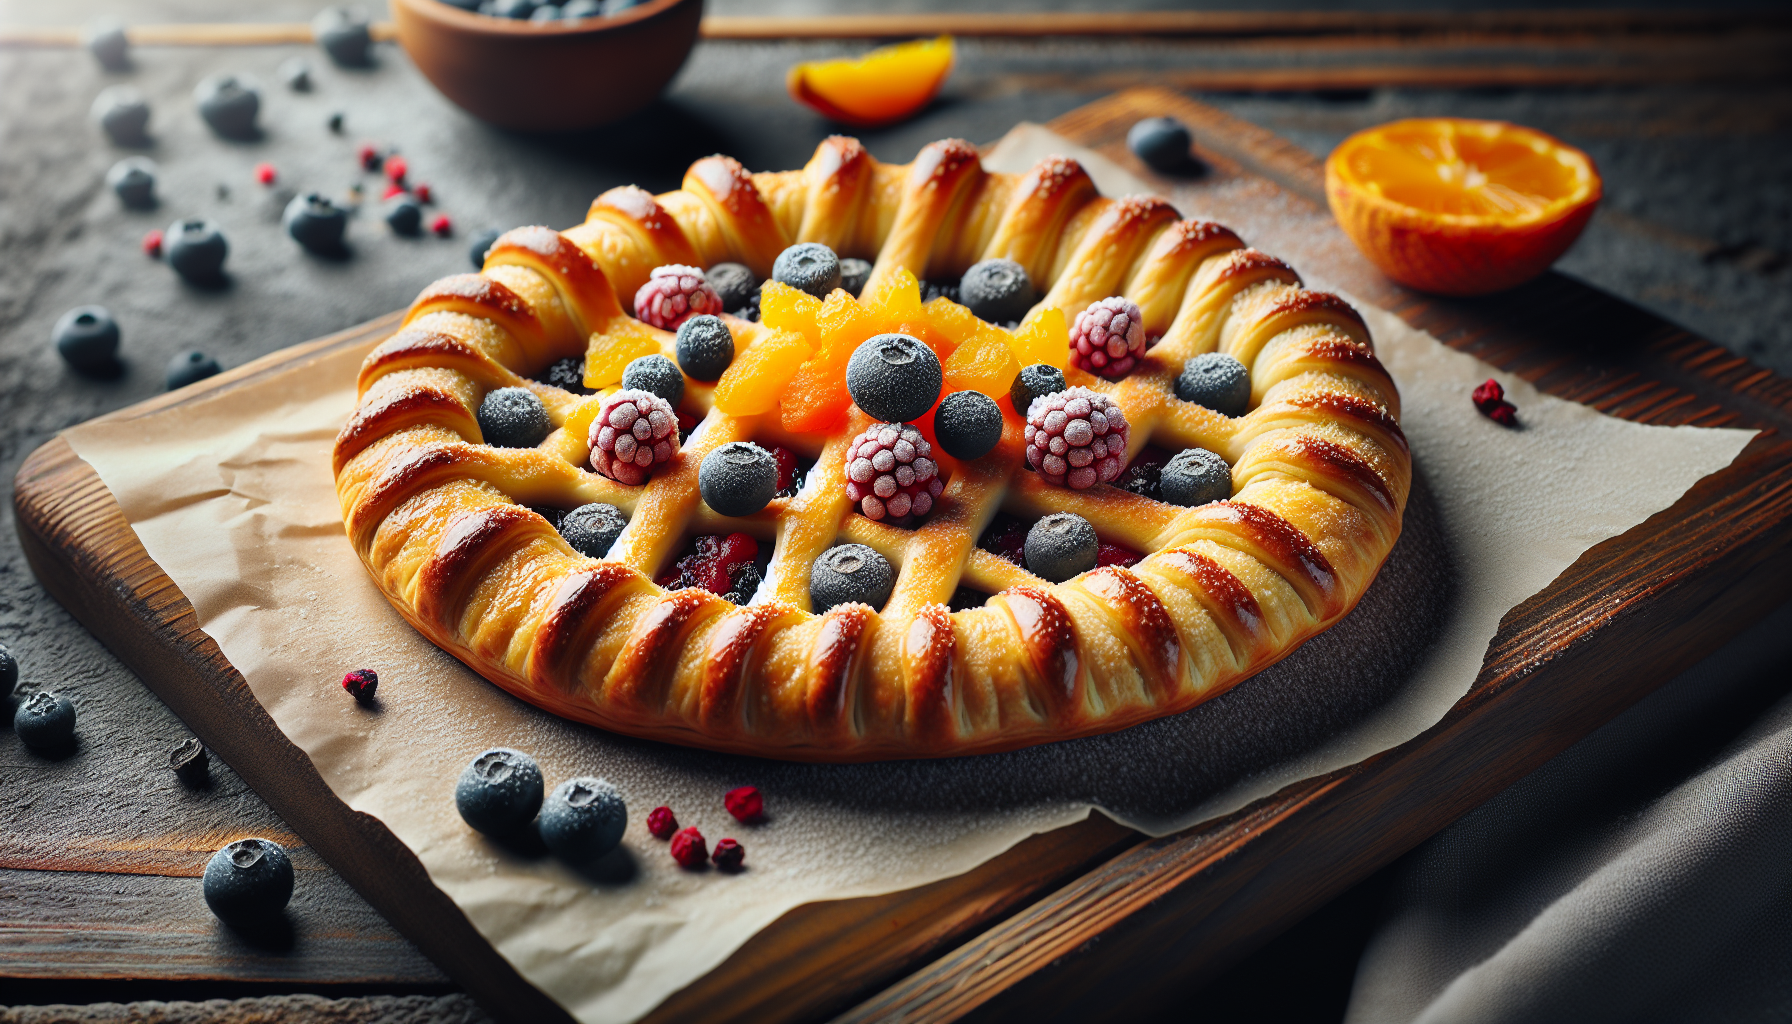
887 85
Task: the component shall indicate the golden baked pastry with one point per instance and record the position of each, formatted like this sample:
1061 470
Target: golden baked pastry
1320 474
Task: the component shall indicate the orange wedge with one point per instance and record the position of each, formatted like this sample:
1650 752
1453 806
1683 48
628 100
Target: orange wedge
1460 207
882 87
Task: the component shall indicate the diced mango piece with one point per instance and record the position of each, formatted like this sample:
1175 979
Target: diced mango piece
816 398
788 309
984 363
899 298
1042 338
609 353
752 383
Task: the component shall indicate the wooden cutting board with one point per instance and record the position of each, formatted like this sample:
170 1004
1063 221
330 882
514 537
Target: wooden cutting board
1065 921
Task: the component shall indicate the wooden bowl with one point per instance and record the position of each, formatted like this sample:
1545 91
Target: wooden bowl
554 76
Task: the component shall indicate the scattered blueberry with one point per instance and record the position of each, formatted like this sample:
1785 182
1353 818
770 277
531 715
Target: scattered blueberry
196 249
592 529
997 290
853 275
45 722
481 242
1060 546
1162 143
248 880
968 424
315 222
734 284
894 378
190 368
1216 380
655 374
499 792
931 290
573 10
738 479
134 179
87 339
343 35
568 375
808 267
123 114
404 215
296 73
108 44
743 582
583 819
335 122
849 573
513 418
229 104
190 761
1033 382
705 347
1195 476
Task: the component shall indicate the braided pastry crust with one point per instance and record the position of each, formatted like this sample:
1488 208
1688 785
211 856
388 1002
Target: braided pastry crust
1320 474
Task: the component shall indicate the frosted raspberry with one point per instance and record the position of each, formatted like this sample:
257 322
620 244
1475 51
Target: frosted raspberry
890 473
634 431
673 294
1109 338
1076 438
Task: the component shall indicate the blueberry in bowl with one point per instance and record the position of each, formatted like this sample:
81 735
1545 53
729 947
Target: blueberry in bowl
196 248
123 114
316 223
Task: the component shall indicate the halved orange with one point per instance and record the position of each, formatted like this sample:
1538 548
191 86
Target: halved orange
882 87
1460 207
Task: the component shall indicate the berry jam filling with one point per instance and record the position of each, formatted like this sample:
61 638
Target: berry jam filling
1142 476
793 469
1006 537
730 566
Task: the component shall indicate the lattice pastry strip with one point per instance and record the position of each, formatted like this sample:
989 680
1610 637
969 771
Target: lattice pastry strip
1320 477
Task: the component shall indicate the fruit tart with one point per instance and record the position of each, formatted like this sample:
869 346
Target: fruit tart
868 461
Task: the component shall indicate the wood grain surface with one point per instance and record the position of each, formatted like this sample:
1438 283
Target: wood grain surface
1063 922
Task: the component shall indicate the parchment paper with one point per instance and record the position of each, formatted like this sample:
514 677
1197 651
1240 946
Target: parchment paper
232 496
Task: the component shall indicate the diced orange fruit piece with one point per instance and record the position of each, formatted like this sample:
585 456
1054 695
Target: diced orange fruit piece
609 353
898 298
882 87
752 383
1042 338
985 363
1457 206
788 309
816 398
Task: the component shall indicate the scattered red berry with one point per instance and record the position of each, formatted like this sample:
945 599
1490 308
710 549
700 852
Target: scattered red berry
1116 554
661 823
1490 399
442 226
392 190
422 192
370 157
673 294
265 173
729 855
744 803
689 849
396 169
361 683
152 244
1108 338
786 460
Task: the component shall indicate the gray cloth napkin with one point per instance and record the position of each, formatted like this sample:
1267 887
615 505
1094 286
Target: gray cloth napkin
1643 874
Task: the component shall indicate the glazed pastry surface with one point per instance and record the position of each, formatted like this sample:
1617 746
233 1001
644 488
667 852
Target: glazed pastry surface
1320 474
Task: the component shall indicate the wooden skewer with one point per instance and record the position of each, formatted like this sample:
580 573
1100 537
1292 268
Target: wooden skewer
1183 24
